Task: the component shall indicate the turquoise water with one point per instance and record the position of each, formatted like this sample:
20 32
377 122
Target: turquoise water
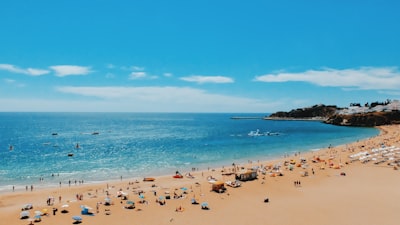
134 145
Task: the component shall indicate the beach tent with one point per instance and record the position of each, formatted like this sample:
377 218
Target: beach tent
218 186
246 175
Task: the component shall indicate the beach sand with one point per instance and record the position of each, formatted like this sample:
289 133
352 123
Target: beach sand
337 190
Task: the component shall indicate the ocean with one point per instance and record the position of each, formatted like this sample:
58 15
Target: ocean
44 149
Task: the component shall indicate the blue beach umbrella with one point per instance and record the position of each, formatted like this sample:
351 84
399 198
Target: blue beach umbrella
130 202
77 218
204 206
184 189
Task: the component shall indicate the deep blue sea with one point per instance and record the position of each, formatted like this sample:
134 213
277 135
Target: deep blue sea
106 146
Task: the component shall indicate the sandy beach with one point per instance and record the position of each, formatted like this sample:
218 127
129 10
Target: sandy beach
321 187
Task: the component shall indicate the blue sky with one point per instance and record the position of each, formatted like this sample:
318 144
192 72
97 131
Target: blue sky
196 56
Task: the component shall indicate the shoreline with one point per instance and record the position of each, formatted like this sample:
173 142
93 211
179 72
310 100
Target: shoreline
280 190
54 182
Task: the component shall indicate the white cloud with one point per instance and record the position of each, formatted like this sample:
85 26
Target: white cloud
9 81
110 66
137 75
67 70
137 68
364 78
168 74
133 68
207 79
110 75
28 71
14 83
141 75
167 99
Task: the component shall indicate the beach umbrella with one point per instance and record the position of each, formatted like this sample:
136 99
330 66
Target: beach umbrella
130 202
44 211
161 198
24 214
27 206
64 208
204 205
86 207
141 196
38 213
77 218
184 188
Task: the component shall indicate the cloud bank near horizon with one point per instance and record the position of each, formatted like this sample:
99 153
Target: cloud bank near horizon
185 96
364 78
154 99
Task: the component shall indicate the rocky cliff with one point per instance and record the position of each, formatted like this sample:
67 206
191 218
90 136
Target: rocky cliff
369 119
365 116
315 112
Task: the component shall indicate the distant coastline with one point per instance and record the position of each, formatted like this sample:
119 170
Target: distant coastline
369 115
247 117
319 119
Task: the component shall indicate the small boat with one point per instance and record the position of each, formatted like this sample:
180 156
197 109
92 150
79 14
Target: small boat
255 133
149 179
95 133
70 154
54 134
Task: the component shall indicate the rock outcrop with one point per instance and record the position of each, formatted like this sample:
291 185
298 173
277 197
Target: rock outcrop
321 112
362 116
369 119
